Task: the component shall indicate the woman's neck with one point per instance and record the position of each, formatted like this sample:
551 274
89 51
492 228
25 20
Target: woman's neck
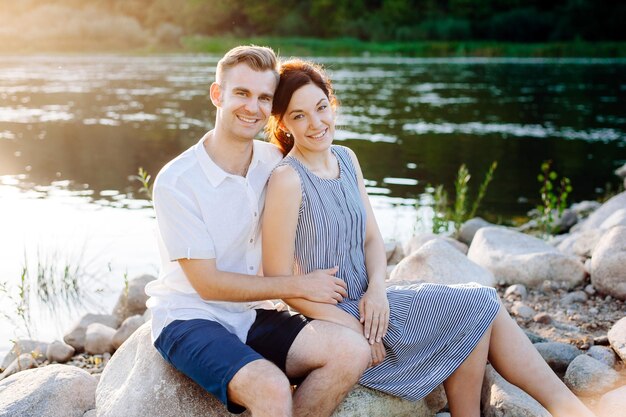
323 164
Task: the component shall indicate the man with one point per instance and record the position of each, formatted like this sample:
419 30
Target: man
209 320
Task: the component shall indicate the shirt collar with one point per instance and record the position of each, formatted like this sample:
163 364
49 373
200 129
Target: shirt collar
213 172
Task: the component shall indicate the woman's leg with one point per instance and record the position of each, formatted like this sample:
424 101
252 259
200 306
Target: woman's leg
463 387
515 358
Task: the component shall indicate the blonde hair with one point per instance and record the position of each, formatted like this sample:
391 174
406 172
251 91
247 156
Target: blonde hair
259 58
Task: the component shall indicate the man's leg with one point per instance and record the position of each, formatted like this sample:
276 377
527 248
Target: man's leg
332 358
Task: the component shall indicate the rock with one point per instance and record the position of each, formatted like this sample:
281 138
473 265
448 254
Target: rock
438 262
543 318
574 297
90 413
608 263
534 338
50 391
500 398
603 354
59 352
613 403
417 241
99 339
580 243
147 316
589 289
563 222
127 328
35 348
596 219
586 376
617 338
514 257
132 301
621 171
76 338
470 227
516 290
584 208
616 219
522 310
557 354
138 382
21 363
395 253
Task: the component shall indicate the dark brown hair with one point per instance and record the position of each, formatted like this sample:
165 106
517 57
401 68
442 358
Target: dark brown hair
294 74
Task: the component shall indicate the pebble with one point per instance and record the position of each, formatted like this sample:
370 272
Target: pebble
590 290
543 318
522 310
574 297
516 291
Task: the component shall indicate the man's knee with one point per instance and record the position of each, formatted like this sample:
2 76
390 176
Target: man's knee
260 384
353 352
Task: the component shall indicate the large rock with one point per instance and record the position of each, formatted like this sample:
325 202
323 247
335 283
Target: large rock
613 403
438 262
501 399
514 258
586 376
617 338
128 327
608 263
59 352
598 217
76 338
51 391
470 227
138 382
132 301
417 241
21 363
603 354
35 348
580 243
618 218
99 339
557 354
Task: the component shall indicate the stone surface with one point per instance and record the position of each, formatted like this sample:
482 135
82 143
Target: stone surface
543 318
51 391
133 300
59 352
127 328
557 354
613 403
516 258
417 241
90 413
470 227
596 219
584 208
138 382
608 263
586 376
617 338
574 297
438 262
99 339
394 252
502 399
618 218
580 243
76 337
516 291
21 363
603 354
522 310
36 348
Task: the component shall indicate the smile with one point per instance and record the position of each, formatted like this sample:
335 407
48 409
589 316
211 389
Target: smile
319 135
247 120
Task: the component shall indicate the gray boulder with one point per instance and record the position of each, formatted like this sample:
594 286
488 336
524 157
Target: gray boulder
35 348
603 354
438 262
617 338
127 328
613 403
21 363
514 257
76 337
596 219
51 391
99 339
417 241
608 263
132 301
580 243
138 382
586 376
59 352
499 398
584 208
618 218
470 227
557 354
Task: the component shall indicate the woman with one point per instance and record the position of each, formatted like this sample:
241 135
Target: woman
318 216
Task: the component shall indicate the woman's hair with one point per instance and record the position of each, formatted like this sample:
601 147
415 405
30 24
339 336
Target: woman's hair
294 74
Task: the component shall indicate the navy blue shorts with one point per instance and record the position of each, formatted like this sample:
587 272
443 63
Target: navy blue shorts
211 356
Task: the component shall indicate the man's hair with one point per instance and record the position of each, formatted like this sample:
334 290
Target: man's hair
259 58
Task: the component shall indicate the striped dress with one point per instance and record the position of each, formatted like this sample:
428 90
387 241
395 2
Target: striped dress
432 328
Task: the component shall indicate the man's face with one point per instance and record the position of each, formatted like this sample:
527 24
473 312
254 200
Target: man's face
244 100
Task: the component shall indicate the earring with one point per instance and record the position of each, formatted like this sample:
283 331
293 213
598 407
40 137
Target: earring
288 134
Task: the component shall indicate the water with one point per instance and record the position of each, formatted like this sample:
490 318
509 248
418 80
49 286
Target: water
74 128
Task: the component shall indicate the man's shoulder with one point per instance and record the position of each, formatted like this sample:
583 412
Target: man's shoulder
268 152
176 169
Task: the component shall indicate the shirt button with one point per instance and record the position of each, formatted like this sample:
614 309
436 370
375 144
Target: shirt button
251 268
251 240
255 214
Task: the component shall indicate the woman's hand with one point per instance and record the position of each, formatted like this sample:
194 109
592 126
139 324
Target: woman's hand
378 353
374 314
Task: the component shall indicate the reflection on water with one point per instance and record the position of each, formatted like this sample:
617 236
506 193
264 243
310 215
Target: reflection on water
73 129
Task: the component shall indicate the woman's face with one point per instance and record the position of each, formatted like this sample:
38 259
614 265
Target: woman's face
310 119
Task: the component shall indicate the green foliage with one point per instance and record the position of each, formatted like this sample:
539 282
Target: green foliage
144 178
445 217
554 192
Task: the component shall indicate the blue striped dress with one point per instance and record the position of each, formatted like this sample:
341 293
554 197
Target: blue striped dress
432 328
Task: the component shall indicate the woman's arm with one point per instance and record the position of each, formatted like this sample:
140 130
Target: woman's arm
280 220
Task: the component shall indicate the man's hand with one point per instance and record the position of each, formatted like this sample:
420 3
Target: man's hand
374 314
322 286
378 353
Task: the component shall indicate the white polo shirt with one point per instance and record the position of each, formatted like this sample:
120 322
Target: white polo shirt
204 212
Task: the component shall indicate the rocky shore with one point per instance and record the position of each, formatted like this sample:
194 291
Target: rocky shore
568 294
